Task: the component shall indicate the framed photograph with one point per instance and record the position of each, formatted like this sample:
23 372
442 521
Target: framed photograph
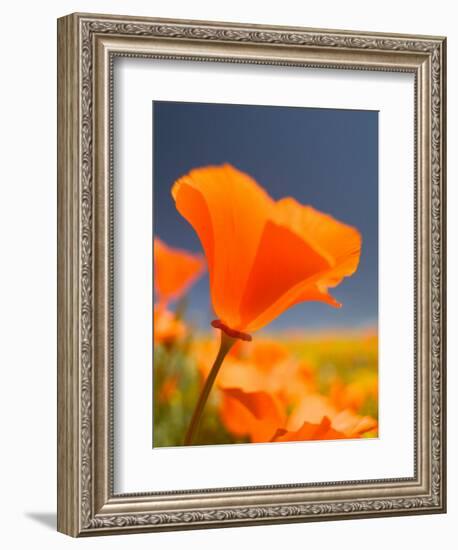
251 289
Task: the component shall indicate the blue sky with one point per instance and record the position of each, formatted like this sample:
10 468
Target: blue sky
327 158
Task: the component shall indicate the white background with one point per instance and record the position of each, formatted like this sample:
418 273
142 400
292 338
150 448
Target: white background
28 274
389 456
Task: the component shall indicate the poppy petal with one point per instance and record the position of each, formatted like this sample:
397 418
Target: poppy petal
228 210
312 409
240 374
338 242
283 261
321 237
312 293
310 432
174 270
333 239
352 424
301 292
256 414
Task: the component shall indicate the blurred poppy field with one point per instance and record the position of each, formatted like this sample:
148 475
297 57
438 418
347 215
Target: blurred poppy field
279 387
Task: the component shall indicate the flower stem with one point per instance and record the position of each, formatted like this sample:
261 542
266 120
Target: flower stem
226 343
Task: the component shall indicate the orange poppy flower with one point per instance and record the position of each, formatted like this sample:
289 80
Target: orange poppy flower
174 270
354 394
266 353
263 256
254 414
167 328
262 365
309 432
260 416
314 408
169 389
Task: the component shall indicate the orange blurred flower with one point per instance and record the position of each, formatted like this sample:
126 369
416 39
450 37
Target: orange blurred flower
313 408
254 414
261 417
174 270
168 389
266 353
167 327
354 394
309 432
263 256
261 366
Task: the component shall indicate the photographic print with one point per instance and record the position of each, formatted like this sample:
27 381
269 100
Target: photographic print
265 274
251 239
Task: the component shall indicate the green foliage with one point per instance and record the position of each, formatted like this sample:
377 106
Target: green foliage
177 384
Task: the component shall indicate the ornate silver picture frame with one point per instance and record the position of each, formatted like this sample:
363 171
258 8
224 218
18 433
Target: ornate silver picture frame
87 46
